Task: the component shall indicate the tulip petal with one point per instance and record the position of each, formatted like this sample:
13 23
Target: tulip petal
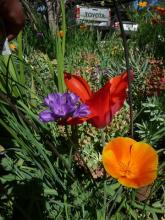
108 100
119 85
78 85
78 120
99 104
104 103
116 85
75 121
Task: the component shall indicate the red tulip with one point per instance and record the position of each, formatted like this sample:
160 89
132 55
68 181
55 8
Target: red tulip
104 103
78 85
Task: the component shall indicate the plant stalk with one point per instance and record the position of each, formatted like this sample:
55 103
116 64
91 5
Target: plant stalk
126 54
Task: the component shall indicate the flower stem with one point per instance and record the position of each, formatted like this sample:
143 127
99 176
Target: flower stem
60 50
126 53
102 137
113 205
73 139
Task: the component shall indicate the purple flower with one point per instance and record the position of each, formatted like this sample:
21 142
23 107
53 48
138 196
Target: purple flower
62 106
46 116
81 111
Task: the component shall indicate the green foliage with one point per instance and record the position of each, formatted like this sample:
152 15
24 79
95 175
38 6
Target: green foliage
151 32
151 125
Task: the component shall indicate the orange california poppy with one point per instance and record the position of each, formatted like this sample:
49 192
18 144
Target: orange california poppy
134 164
104 103
142 4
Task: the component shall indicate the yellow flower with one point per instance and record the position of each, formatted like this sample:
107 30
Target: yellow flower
134 164
60 34
142 4
12 46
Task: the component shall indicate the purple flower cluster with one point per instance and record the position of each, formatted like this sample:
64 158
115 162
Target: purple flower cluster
62 106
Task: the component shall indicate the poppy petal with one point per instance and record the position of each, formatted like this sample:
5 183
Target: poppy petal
140 181
140 151
133 163
78 85
143 163
116 153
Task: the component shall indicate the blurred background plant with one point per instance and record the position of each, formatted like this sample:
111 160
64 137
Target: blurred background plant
151 32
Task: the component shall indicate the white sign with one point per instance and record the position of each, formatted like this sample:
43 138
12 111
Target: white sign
93 16
130 27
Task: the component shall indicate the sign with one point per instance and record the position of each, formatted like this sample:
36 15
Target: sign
100 17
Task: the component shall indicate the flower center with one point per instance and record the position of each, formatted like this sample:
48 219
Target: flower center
125 170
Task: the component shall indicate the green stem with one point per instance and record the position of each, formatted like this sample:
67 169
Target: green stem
60 65
76 147
60 51
20 55
126 53
113 205
63 25
102 137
